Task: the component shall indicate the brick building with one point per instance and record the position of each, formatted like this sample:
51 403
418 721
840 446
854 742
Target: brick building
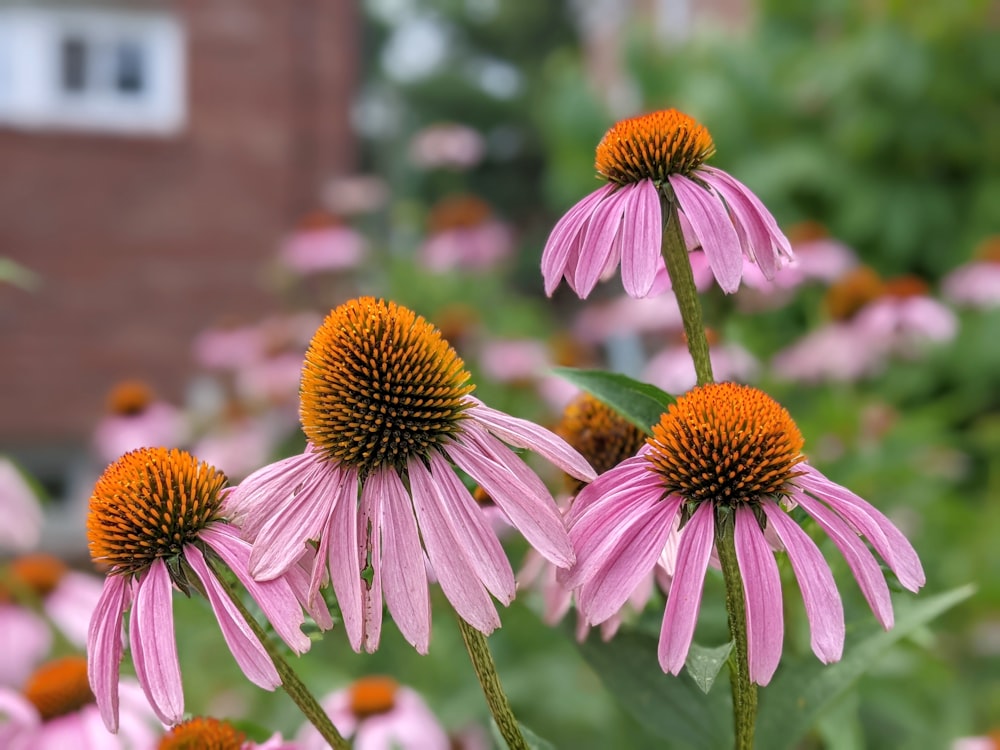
152 154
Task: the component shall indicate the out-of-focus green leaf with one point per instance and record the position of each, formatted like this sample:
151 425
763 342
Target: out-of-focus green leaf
703 664
640 403
673 708
800 692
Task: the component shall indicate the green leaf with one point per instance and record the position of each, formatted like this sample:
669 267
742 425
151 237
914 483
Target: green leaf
673 708
793 702
640 403
703 664
534 741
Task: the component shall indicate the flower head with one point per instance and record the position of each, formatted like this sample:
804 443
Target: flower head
378 713
464 234
650 162
387 408
727 453
136 417
155 519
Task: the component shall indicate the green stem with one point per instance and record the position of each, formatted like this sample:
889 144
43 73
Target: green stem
496 699
290 681
675 255
744 691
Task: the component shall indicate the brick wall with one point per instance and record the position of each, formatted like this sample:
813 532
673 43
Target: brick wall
142 241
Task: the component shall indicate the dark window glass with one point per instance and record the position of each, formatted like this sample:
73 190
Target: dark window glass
73 59
130 68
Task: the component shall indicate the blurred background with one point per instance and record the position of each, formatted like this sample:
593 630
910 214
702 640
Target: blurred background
188 186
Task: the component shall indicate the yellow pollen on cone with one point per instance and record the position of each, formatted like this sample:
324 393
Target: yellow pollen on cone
653 146
203 733
373 695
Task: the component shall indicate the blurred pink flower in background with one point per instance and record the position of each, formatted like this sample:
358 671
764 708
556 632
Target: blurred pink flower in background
447 146
977 283
135 419
463 234
351 195
55 710
623 315
818 257
239 444
25 641
833 352
321 243
377 713
19 507
673 370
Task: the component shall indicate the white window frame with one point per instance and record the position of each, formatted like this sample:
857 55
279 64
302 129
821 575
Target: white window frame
31 92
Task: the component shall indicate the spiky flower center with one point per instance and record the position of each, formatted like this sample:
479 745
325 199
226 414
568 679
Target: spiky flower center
726 444
373 695
653 147
599 434
33 575
129 398
203 733
380 386
852 292
59 687
148 504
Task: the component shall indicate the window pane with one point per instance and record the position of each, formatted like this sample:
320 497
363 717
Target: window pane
73 59
130 68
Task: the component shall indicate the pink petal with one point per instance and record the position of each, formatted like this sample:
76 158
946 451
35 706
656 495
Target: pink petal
779 243
713 228
154 650
558 248
404 578
888 541
629 473
762 589
243 644
684 601
516 490
370 548
596 252
819 591
522 433
104 647
861 561
276 598
641 238
283 539
345 566
250 504
631 561
462 587
299 577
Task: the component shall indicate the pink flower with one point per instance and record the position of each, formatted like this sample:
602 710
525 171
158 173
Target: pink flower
836 352
321 244
447 145
208 732
378 714
56 711
650 162
136 419
387 413
672 369
25 640
155 521
975 284
464 234
20 510
726 453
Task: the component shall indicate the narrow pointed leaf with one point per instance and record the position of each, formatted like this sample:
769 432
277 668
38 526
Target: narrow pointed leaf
640 403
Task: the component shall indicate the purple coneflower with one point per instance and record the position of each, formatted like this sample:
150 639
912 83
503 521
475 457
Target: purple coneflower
651 161
387 410
155 520
216 734
727 453
379 714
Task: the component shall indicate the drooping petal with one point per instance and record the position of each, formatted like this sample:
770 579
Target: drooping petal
345 564
522 433
462 587
283 539
558 248
516 490
299 577
762 594
597 250
684 601
887 540
154 650
630 562
104 647
641 236
243 644
404 577
370 556
861 561
819 591
475 536
714 229
630 473
276 598
251 503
